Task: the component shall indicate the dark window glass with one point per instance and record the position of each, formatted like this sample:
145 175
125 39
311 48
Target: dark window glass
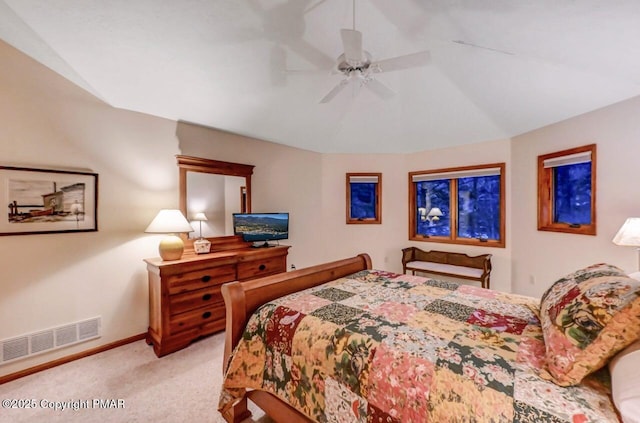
464 206
363 200
432 194
479 207
572 194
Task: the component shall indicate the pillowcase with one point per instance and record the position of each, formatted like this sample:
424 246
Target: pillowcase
587 317
625 383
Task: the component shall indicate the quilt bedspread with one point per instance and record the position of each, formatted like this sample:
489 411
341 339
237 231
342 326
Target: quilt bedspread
382 347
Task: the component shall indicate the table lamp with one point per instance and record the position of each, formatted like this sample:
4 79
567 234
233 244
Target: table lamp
434 214
170 222
629 234
201 245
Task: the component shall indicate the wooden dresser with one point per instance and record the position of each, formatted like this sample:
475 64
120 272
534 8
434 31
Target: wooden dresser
185 302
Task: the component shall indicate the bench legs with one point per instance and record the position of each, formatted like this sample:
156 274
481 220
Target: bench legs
484 283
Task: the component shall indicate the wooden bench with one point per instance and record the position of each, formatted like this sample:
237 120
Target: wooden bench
477 268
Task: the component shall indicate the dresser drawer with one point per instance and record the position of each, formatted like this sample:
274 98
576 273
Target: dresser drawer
257 268
180 303
185 299
198 279
197 317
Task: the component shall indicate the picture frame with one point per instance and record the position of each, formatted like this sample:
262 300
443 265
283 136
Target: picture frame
364 198
42 201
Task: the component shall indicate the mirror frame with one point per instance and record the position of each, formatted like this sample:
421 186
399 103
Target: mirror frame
198 164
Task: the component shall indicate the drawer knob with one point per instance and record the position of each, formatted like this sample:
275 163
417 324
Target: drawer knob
262 267
206 314
206 297
206 278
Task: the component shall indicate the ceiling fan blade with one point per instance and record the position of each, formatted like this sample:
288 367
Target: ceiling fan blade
380 89
412 60
335 90
352 43
314 6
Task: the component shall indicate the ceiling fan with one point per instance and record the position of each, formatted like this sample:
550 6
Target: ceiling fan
358 68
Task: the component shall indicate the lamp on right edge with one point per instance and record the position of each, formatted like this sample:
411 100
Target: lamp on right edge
629 235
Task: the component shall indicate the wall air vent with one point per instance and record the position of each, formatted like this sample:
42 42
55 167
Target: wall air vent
66 335
50 339
42 341
88 329
15 348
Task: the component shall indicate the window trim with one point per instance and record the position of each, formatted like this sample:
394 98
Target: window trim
453 206
545 193
378 195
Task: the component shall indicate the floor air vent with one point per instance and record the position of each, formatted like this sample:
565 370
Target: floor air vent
50 339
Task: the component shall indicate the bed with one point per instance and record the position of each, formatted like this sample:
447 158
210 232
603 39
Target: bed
342 342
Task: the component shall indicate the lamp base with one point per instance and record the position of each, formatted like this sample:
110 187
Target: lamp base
201 246
171 248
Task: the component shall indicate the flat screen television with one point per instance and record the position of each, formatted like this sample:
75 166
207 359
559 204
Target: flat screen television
261 227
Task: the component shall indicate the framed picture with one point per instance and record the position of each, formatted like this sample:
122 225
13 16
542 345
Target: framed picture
43 201
364 198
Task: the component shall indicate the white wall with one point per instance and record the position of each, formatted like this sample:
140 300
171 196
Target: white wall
382 242
481 153
540 258
312 187
284 179
52 279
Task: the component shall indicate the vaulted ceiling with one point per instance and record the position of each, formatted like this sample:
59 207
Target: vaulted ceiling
497 68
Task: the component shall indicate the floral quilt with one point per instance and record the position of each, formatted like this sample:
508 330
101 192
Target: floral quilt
382 347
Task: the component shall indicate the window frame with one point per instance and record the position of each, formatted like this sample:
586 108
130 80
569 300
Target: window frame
453 207
378 199
545 193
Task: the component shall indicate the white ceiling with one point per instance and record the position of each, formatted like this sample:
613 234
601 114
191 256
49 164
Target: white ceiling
259 67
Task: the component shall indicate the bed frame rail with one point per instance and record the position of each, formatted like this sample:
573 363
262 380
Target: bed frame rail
243 298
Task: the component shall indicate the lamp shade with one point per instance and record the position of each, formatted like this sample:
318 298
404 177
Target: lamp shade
629 233
201 245
168 222
435 212
200 217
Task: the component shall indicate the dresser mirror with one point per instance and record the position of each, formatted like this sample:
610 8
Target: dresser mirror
216 188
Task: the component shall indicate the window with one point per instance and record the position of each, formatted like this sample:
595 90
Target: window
363 197
464 205
567 191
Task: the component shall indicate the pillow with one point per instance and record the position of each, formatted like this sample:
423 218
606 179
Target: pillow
635 275
587 317
625 383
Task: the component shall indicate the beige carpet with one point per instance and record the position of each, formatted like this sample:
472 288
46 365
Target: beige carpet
180 387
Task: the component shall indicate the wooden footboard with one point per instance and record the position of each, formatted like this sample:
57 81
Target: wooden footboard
243 298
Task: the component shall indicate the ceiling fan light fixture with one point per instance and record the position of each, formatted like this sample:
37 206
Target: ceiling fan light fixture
355 62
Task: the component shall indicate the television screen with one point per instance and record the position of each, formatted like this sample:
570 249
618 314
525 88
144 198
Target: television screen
261 227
